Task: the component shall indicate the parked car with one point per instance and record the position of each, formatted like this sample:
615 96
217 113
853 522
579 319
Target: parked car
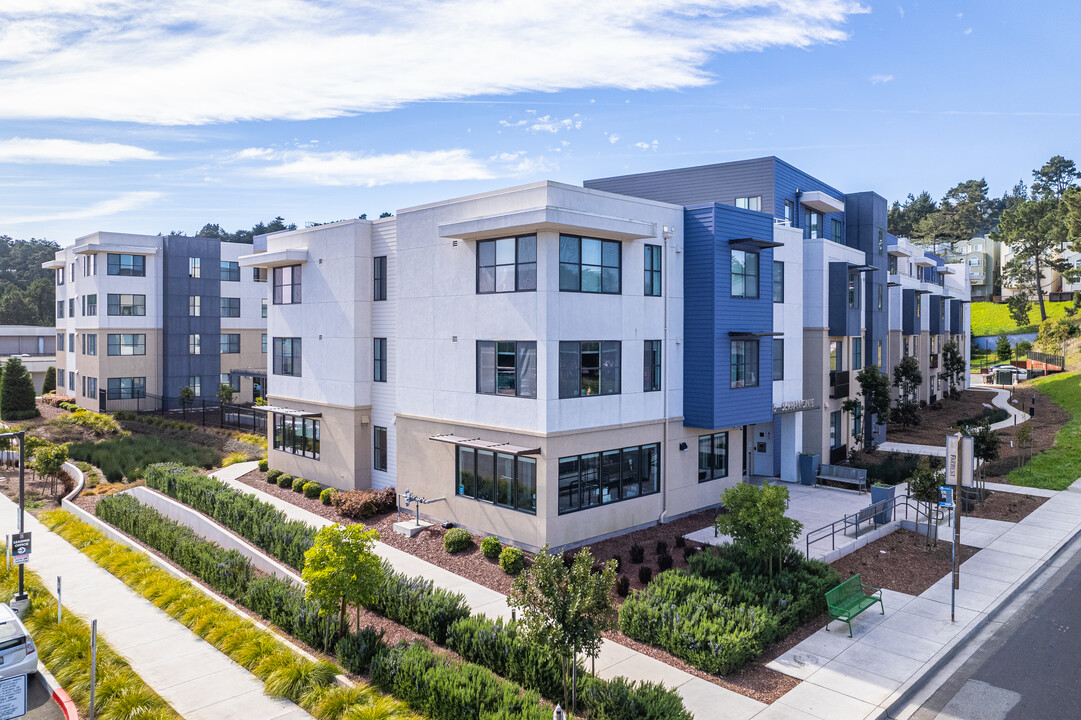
1019 373
18 656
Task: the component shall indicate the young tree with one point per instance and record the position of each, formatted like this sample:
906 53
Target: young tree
985 444
340 568
1053 336
225 393
1019 305
953 362
756 521
875 390
17 398
49 384
1024 347
923 487
1035 230
564 610
187 395
1003 349
907 378
49 462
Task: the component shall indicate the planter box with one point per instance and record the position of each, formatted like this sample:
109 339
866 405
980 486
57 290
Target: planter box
881 494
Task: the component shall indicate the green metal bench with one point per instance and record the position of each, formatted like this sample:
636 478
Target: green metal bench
849 599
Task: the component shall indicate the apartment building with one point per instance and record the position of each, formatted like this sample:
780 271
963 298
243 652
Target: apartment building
983 257
138 317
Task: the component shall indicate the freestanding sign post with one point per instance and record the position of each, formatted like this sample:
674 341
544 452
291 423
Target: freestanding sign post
958 471
20 601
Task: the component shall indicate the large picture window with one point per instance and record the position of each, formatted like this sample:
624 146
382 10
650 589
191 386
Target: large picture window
507 367
744 363
130 265
127 388
712 456
603 478
125 305
744 274
588 265
651 366
507 264
287 285
126 343
589 368
287 356
653 271
506 480
297 435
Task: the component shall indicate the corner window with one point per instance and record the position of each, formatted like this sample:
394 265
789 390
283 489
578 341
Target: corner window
498 478
744 357
744 274
287 356
287 285
379 360
230 271
778 359
506 367
379 448
602 478
230 307
653 271
379 278
588 265
126 265
125 344
589 368
651 364
778 282
297 435
507 264
195 267
712 456
750 203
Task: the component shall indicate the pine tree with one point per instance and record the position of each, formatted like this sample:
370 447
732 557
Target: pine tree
17 400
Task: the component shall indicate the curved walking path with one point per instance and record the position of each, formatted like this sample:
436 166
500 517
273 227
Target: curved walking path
190 674
1000 400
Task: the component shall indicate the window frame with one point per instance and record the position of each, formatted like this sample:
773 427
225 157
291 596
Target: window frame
135 389
125 344
195 267
837 231
195 343
125 265
712 469
778 281
489 372
778 358
379 448
279 286
228 308
519 267
652 360
230 271
379 360
574 348
229 343
745 274
566 266
745 203
285 437
652 266
293 359
379 278
857 353
520 490
195 306
608 477
745 365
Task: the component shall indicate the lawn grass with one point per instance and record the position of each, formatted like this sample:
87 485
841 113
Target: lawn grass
1060 465
121 458
994 318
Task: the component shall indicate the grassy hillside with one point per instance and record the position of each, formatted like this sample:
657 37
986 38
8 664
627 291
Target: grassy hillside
994 318
1060 465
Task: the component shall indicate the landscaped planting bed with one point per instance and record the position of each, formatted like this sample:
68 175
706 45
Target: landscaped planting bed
903 562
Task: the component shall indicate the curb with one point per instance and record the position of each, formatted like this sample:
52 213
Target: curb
902 702
60 697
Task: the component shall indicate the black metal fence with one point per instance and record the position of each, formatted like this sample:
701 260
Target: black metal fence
201 411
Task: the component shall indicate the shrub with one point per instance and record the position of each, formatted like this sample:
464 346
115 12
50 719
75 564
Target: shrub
623 585
689 551
417 604
48 385
680 541
664 562
263 465
126 457
312 489
457 540
17 396
363 504
55 400
326 496
285 482
234 457
620 698
512 560
284 604
662 547
491 547
99 424
298 484
273 475
356 650
619 562
499 647
645 574
637 553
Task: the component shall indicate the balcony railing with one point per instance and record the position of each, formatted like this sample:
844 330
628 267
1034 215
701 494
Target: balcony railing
838 384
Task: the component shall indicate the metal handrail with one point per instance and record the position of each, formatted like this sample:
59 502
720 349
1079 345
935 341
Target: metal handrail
871 512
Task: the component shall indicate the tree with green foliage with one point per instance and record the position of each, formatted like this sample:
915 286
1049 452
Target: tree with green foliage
756 522
17 397
953 363
213 230
1055 177
186 396
1053 336
907 378
875 394
1019 306
1023 348
986 444
564 609
49 384
965 212
1035 232
1002 348
342 569
902 220
1071 207
923 488
49 462
225 393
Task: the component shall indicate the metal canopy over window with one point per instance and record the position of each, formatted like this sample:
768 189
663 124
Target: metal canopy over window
486 444
289 411
752 244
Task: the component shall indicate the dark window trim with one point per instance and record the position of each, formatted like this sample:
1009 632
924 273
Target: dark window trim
278 285
379 360
567 346
285 437
230 271
778 264
745 364
710 472
120 344
279 357
652 271
652 364
602 266
129 269
379 449
379 278
467 487
517 264
136 388
778 343
605 483
757 274
519 347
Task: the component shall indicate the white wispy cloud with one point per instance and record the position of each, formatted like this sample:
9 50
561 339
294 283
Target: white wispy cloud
968 31
207 61
646 145
879 79
69 152
113 206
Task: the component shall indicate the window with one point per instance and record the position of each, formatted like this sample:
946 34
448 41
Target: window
379 278
836 439
589 368
258 274
857 353
230 343
857 421
977 247
778 282
71 307
507 264
974 261
196 384
893 265
880 294
881 242
906 346
287 356
836 358
230 271
750 203
126 305
262 341
744 363
712 456
744 274
129 265
814 224
60 276
263 301
91 302
653 271
651 366
878 354
379 451
195 304
778 359
230 307
287 285
233 381
506 367
919 306
916 345
789 212
91 387
853 291
71 342
837 234
91 341
126 344
602 478
59 309
127 388
379 359
195 267
60 344
195 344
71 380
587 265
297 435
499 478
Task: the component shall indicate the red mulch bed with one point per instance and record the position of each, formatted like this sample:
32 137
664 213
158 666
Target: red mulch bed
902 562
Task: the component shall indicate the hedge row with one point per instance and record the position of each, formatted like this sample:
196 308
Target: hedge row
261 523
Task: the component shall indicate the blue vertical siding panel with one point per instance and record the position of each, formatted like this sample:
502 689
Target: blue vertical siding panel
700 288
867 214
955 316
934 310
177 286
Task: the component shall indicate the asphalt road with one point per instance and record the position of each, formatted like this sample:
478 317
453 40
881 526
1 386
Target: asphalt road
39 703
1030 669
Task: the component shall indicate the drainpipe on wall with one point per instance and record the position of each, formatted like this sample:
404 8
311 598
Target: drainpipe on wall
666 234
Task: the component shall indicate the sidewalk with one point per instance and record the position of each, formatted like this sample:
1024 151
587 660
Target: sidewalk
197 680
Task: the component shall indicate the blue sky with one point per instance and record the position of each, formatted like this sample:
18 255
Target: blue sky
120 115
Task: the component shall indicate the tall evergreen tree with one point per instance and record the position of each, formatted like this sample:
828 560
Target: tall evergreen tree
17 400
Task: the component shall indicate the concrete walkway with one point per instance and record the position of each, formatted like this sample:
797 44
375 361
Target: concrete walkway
860 677
197 680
